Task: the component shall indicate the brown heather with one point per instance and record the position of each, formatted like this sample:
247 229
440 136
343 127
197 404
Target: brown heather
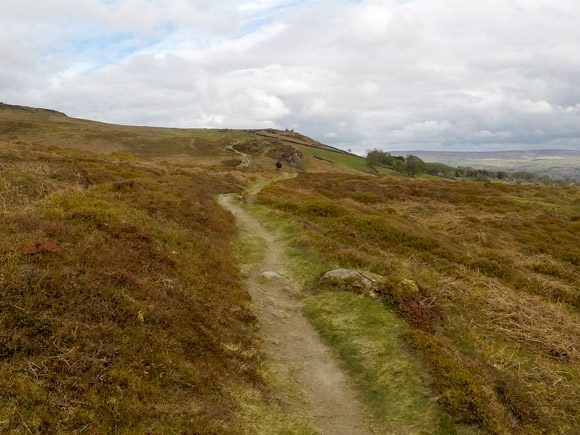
121 308
497 313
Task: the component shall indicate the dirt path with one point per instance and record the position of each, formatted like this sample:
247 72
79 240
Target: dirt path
291 341
245 158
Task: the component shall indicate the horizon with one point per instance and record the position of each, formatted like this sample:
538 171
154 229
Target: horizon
399 152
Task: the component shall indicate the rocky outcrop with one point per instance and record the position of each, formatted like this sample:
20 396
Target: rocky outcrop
370 284
286 154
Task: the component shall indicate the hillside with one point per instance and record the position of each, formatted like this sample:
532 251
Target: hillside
488 275
210 148
557 164
134 302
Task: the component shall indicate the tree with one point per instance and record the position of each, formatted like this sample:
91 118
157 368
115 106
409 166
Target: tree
414 166
377 157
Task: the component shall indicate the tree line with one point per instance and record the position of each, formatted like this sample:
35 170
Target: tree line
414 166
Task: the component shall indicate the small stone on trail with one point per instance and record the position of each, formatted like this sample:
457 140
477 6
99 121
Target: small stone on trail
268 275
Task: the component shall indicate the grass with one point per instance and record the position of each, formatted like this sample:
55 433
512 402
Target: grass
386 171
249 249
368 339
197 147
122 307
366 336
497 279
354 162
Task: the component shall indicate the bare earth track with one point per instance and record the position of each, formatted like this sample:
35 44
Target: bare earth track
291 341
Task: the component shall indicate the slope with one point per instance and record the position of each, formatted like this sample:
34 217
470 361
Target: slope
487 275
122 309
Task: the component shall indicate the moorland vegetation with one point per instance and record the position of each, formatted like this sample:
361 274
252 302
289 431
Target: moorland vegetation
123 307
487 274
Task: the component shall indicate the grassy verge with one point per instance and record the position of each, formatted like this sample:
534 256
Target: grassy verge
367 338
249 249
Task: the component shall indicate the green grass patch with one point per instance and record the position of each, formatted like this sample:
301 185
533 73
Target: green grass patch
367 338
354 162
386 171
250 250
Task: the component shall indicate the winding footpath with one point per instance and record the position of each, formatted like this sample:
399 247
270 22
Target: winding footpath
291 342
245 158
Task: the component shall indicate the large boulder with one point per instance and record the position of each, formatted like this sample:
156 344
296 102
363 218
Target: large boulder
295 159
347 279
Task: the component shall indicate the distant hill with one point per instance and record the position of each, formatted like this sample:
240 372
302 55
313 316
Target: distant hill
557 164
215 148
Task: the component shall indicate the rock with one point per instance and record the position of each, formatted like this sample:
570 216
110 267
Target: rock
295 160
345 278
269 275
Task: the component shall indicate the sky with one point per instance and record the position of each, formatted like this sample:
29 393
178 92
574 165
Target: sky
443 75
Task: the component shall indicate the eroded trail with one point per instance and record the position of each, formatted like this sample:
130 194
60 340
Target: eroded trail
291 341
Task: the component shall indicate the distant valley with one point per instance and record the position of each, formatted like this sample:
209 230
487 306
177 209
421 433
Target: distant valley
557 164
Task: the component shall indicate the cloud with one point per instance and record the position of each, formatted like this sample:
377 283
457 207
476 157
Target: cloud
418 74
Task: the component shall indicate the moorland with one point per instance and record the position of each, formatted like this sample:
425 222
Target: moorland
124 306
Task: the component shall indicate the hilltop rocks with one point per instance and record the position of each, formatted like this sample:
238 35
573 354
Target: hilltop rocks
345 278
286 154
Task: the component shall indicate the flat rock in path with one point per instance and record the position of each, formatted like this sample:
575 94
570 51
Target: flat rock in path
269 275
345 278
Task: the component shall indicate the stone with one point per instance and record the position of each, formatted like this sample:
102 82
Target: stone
295 160
345 278
269 275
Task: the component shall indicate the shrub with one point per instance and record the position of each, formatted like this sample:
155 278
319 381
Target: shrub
322 209
465 391
366 198
414 165
374 228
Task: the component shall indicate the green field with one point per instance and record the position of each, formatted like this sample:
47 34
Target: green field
354 162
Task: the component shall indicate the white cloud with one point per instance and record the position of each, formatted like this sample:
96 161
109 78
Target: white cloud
415 74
